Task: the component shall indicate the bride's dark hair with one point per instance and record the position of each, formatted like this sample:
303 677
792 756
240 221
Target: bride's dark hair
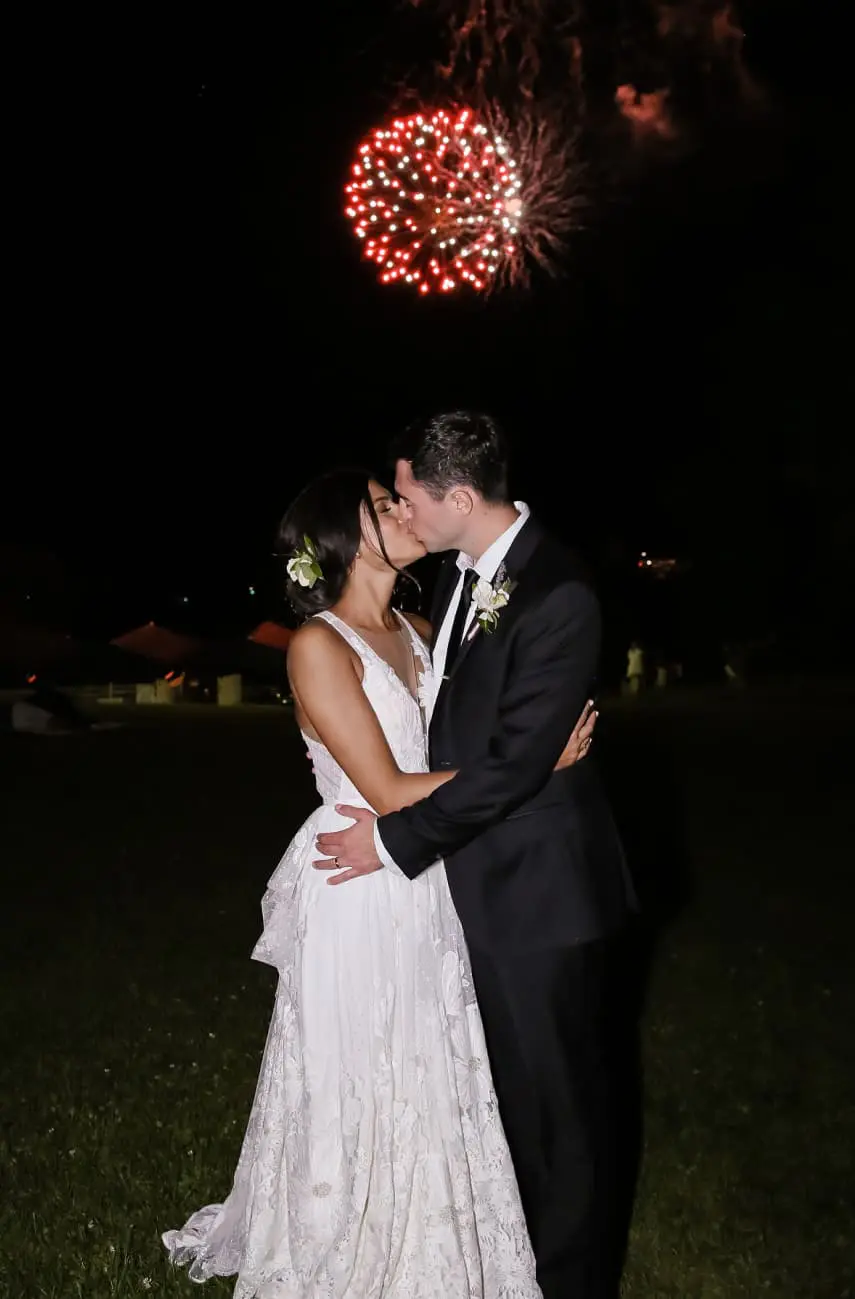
329 511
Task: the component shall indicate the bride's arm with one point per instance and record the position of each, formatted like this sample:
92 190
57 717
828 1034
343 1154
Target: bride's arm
326 685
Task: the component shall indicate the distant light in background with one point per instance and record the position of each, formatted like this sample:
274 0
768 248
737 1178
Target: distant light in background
663 567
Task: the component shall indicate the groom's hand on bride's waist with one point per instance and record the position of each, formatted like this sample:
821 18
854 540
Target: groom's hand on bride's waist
351 852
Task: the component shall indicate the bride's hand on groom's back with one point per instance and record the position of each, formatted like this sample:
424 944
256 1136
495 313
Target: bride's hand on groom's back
581 736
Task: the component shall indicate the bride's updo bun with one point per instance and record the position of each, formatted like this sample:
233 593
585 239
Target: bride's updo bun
328 514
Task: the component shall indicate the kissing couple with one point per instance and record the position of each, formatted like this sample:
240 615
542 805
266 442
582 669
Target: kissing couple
435 1113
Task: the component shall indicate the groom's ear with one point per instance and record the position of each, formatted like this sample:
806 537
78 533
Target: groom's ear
462 500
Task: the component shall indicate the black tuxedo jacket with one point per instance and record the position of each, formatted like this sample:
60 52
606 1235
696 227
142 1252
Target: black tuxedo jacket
533 856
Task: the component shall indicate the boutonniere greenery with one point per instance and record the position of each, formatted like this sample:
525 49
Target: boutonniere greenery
489 600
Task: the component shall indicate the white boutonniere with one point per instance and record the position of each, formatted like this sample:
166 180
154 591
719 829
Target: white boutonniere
489 601
303 567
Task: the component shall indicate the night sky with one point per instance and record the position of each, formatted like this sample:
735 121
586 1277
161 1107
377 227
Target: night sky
196 334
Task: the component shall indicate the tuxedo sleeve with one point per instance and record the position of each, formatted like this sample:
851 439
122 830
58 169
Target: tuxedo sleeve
552 665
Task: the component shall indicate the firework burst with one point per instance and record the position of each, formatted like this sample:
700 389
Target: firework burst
448 199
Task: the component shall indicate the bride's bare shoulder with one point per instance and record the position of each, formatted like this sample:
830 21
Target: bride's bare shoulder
316 637
318 654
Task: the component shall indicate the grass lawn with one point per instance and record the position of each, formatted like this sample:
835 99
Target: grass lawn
133 1020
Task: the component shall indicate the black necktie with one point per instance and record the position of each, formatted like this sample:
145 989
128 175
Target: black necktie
470 577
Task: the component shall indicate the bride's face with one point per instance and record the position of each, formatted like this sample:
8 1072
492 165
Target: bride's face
401 546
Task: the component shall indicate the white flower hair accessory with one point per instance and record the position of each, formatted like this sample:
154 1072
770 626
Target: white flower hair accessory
303 567
489 602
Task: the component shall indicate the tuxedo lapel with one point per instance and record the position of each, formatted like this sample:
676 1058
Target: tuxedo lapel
473 634
523 547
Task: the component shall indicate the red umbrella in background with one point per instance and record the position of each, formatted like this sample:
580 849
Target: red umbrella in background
158 644
273 635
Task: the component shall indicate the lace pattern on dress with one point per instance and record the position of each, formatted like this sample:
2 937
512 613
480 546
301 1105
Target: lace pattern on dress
374 1164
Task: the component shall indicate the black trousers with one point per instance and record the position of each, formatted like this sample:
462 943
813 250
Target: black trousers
548 1026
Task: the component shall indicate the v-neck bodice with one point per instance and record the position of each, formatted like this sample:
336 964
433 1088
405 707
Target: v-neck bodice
399 713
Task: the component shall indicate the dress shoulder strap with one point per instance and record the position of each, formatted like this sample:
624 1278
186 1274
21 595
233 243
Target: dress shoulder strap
354 640
420 649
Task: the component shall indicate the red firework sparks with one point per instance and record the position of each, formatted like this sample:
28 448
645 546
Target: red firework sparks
454 199
436 200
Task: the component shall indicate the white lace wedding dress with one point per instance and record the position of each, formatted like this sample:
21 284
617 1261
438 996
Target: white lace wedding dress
374 1164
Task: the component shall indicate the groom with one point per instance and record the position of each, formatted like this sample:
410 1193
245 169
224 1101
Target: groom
533 859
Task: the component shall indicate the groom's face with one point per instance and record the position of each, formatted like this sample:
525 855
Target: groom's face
434 523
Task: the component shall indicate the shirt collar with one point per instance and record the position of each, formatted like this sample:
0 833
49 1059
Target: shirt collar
488 565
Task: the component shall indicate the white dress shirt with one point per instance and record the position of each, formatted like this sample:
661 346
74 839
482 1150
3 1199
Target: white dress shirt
486 567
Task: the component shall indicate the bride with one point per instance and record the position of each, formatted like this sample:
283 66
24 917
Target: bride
374 1162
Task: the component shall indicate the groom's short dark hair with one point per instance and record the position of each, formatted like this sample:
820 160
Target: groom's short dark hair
462 448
